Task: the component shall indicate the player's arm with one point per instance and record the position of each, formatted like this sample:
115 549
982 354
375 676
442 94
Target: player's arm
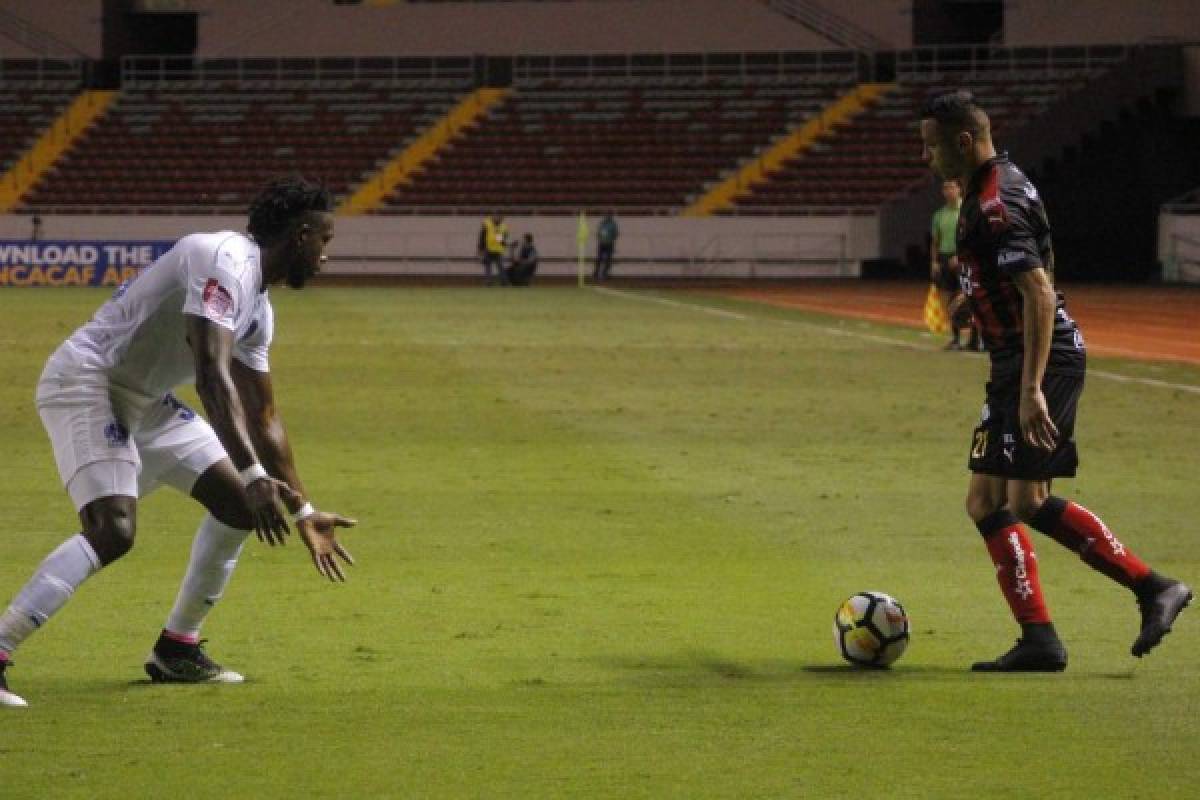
212 351
1038 307
318 529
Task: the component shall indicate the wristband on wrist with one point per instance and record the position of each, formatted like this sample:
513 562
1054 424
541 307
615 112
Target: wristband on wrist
252 473
304 512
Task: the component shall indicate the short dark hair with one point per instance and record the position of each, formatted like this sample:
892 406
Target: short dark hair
956 109
281 201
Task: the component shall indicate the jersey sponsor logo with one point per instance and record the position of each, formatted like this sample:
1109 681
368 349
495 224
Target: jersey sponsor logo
1006 257
1021 583
218 302
116 434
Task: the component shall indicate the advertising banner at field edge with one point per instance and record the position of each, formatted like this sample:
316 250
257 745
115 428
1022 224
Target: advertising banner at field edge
75 263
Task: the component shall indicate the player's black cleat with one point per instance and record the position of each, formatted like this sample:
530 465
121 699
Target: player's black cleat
7 698
1039 650
1160 601
177 662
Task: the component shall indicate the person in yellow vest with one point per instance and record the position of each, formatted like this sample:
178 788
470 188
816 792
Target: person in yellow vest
492 246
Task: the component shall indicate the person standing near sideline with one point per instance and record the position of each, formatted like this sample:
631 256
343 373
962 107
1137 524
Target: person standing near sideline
1025 437
200 312
492 246
606 244
944 268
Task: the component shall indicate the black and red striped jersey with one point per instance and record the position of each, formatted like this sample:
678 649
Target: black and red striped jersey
1003 230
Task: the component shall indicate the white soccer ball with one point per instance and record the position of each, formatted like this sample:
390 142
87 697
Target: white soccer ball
871 629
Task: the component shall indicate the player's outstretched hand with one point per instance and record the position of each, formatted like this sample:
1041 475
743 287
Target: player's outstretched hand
1037 428
265 497
319 533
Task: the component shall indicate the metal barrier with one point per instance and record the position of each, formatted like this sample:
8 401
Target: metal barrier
750 254
169 71
41 73
932 62
838 64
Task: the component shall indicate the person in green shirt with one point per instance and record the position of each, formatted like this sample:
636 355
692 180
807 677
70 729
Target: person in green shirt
943 264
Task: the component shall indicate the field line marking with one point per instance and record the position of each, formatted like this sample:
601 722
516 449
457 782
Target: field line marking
870 337
720 312
663 301
1113 376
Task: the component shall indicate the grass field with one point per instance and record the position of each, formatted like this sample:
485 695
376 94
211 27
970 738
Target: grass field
602 537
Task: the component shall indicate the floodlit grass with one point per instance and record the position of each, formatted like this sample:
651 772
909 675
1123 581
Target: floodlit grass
601 542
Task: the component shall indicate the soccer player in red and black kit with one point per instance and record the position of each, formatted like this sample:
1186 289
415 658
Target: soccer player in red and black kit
1024 439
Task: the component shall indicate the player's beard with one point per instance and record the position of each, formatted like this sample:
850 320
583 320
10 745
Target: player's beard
297 274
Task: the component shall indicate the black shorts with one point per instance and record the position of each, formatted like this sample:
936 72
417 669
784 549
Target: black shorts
996 445
947 277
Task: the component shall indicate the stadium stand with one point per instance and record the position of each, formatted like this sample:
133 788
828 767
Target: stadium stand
213 148
874 157
24 114
644 147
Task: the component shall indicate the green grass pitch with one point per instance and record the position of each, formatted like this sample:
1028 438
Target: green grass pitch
602 538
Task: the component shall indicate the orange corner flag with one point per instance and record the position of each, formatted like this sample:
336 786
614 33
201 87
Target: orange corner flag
935 314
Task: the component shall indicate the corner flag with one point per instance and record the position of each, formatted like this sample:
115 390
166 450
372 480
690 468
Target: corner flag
935 315
581 237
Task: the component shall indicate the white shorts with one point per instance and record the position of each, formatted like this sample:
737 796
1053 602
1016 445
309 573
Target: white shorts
111 442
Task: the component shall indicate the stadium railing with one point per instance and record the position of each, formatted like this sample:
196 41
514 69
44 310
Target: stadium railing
172 71
40 73
937 62
796 65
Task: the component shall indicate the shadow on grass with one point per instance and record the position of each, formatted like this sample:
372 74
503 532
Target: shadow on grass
705 668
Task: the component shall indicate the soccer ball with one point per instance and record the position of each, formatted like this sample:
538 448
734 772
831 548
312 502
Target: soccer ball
871 629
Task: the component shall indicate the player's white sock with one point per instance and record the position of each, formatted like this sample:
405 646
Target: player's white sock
215 553
51 586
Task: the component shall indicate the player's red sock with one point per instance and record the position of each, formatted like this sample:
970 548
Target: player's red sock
1078 529
181 638
1016 566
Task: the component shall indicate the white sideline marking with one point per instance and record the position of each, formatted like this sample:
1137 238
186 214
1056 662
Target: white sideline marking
870 337
1113 376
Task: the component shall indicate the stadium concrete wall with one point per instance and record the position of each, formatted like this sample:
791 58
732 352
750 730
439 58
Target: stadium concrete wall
778 247
318 27
890 21
1179 246
1042 22
76 22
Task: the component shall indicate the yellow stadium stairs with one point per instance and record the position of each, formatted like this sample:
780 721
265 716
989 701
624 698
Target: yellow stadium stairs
371 193
85 109
723 195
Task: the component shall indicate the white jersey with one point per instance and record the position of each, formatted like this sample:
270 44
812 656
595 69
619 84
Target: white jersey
137 342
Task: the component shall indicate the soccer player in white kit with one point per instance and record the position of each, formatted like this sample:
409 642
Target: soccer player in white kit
201 311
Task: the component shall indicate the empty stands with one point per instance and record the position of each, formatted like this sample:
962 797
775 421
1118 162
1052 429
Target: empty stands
640 145
24 114
213 148
878 155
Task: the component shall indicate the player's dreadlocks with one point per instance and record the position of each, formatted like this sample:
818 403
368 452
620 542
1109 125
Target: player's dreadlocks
956 110
281 201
